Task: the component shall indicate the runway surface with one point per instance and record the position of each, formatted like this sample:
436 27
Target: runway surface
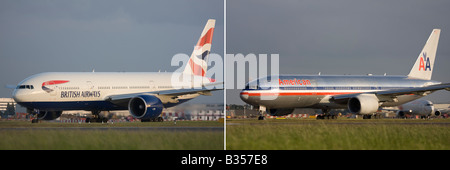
349 123
196 129
339 122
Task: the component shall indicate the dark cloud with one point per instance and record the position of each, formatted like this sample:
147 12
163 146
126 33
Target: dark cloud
105 35
340 37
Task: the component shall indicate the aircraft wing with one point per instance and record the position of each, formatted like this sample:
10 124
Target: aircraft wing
166 96
390 95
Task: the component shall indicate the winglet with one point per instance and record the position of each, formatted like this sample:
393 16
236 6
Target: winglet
423 68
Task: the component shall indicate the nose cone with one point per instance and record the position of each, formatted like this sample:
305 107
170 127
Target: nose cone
244 95
431 110
19 95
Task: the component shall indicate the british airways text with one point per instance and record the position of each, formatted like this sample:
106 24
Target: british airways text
79 94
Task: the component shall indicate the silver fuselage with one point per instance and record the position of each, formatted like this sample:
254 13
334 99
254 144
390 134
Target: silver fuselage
315 91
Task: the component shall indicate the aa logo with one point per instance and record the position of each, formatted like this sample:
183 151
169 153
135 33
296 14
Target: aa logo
424 65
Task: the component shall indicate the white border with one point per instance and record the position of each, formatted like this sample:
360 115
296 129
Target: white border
224 74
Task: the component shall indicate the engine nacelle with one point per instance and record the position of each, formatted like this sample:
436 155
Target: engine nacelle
145 107
48 115
280 112
437 113
363 104
401 114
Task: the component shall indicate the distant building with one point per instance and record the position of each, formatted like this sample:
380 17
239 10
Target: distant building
185 111
442 106
4 102
191 111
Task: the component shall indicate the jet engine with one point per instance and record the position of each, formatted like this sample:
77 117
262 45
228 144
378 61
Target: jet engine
401 114
145 107
437 113
280 112
48 115
363 104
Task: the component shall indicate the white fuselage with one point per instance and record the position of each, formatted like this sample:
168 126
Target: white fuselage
88 90
418 107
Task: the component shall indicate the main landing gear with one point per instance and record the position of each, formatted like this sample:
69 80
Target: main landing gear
96 117
326 115
374 116
156 119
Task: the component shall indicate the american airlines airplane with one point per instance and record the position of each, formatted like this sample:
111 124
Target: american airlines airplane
360 94
144 94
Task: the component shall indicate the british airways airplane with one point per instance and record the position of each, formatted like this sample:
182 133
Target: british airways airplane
363 94
144 94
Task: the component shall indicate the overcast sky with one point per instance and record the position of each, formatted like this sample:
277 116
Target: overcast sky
341 36
106 35
327 36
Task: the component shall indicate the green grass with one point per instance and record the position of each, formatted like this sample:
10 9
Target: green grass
289 134
109 140
30 136
28 124
338 135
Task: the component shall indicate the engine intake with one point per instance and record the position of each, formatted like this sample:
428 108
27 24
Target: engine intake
145 107
437 113
401 114
363 104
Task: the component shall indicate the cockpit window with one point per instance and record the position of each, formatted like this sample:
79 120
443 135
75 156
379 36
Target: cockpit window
25 87
252 85
246 87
